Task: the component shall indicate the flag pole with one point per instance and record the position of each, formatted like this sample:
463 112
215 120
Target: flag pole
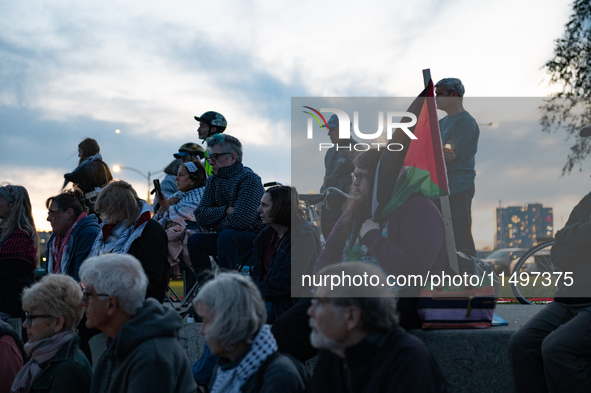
446 210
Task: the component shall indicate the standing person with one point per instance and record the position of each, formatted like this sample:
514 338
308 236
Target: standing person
362 348
128 228
144 354
210 123
459 136
338 162
52 312
91 174
228 209
18 248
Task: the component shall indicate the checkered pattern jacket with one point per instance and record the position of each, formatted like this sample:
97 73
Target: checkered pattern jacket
236 186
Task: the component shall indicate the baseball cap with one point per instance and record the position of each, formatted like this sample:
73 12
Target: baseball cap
213 118
190 149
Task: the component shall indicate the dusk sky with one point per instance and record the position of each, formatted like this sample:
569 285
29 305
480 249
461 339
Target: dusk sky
71 70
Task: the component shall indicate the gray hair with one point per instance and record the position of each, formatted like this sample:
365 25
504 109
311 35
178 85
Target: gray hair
119 275
377 304
238 309
229 143
57 295
452 84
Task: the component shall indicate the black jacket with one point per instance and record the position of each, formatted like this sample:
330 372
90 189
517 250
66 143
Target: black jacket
67 372
92 174
571 253
388 363
278 284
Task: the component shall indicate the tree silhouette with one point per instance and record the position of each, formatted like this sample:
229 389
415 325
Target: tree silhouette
570 109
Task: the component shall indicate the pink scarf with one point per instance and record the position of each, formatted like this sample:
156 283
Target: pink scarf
40 352
59 245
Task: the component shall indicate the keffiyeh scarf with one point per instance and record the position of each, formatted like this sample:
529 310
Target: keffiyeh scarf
39 352
184 209
88 160
118 239
231 381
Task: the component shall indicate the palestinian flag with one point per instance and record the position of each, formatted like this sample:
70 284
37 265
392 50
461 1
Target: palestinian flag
418 167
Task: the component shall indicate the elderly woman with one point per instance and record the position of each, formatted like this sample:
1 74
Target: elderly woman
284 220
234 316
52 312
18 248
91 173
74 232
128 228
179 208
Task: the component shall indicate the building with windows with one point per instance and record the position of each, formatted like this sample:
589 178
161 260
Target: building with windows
523 226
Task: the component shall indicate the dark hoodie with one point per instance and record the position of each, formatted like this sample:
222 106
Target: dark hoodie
145 356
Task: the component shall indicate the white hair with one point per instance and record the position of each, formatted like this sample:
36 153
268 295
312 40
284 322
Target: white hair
119 275
238 309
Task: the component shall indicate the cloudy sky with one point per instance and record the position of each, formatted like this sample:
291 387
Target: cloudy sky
71 70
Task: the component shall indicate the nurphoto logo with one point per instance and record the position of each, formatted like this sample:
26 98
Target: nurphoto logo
345 127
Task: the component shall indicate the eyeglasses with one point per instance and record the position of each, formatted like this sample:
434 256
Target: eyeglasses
86 295
213 157
51 213
358 176
29 318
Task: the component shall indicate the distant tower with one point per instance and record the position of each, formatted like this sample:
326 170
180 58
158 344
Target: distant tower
523 226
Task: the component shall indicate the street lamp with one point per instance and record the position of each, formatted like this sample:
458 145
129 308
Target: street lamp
118 168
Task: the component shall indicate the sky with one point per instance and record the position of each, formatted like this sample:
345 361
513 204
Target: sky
70 70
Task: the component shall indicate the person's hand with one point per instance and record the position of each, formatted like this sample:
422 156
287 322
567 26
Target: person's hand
229 210
367 226
449 154
173 201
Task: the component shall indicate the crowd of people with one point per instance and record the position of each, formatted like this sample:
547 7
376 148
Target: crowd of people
111 256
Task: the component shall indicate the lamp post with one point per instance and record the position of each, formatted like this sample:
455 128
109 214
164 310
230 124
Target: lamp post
148 177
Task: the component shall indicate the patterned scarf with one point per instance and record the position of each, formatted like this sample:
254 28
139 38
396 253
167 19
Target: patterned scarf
117 239
184 209
40 352
88 160
231 381
60 245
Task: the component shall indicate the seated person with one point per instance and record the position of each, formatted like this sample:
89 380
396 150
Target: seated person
284 220
52 312
12 354
73 235
180 207
18 248
234 315
409 241
144 354
228 209
128 228
552 351
357 328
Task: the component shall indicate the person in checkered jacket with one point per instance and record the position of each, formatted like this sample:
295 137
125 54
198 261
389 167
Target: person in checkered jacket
227 213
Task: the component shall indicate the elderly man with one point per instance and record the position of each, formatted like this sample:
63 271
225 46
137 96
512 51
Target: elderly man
459 135
228 209
144 355
362 349
210 123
